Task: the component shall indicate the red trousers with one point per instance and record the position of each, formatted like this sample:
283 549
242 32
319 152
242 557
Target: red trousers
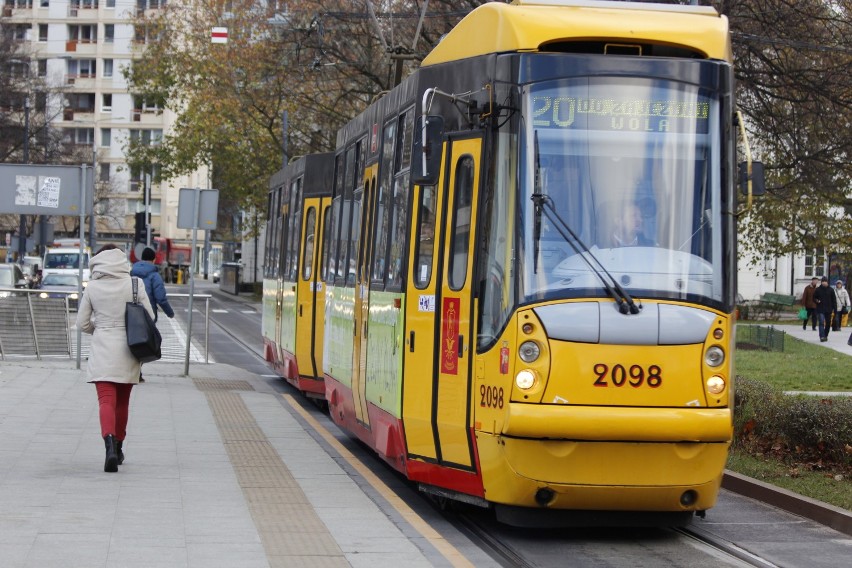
114 402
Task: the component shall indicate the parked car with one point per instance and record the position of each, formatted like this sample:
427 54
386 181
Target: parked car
11 276
60 286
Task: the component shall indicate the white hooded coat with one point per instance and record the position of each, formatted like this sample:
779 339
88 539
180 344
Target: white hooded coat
101 313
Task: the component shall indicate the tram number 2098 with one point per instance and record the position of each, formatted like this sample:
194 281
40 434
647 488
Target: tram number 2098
634 375
491 396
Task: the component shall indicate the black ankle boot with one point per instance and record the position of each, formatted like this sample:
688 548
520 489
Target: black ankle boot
118 444
111 463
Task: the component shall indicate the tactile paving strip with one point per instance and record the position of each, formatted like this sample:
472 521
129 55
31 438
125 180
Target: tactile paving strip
291 532
207 384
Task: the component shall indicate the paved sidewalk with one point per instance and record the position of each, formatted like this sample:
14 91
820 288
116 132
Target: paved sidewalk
837 340
219 473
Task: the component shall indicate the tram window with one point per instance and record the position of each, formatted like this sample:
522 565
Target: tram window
345 218
357 218
295 229
269 265
384 202
336 216
425 238
459 241
399 231
406 133
308 251
284 230
326 236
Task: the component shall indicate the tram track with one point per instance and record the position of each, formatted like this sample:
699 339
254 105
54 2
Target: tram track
724 546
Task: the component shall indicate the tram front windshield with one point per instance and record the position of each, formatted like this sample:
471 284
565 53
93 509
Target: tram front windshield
628 168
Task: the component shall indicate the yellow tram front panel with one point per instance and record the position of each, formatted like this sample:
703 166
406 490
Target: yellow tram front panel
605 426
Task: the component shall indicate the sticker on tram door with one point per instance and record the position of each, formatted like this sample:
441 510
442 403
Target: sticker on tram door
450 336
504 360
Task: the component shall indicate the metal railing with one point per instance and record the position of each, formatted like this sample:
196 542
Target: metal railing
760 337
35 327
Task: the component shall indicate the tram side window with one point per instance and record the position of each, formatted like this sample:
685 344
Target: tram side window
295 228
336 216
355 193
399 212
284 228
459 241
345 218
308 251
324 244
384 202
425 237
269 265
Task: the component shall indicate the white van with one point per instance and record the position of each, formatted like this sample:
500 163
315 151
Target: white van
65 259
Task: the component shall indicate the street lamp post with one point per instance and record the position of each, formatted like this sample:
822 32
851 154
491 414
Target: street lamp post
22 238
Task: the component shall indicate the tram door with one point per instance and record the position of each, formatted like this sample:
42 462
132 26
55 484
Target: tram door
454 312
362 296
309 294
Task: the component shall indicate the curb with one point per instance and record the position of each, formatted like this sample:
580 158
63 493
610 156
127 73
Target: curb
823 513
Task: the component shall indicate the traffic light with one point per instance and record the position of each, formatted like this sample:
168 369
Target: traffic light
141 235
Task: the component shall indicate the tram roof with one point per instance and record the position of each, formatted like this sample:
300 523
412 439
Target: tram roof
529 25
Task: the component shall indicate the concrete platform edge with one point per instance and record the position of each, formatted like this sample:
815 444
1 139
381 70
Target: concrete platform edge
823 513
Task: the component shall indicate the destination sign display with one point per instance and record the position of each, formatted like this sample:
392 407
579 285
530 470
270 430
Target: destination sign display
628 114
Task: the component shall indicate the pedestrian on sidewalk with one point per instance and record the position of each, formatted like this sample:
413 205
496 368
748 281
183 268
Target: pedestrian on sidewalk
147 271
809 304
842 305
112 367
826 302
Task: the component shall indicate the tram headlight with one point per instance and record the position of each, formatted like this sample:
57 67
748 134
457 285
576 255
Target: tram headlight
529 351
525 379
43 295
714 356
715 384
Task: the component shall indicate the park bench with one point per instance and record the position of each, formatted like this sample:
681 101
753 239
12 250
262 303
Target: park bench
769 305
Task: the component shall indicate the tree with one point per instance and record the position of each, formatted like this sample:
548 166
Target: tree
321 61
792 61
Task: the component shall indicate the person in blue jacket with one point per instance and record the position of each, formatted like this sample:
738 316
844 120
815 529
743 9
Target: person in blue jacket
146 271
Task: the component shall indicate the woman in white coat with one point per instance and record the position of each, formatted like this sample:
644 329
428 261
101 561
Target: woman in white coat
112 366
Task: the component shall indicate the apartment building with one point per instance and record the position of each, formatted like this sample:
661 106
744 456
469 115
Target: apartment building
81 48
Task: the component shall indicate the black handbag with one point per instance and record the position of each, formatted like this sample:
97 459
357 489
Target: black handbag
143 337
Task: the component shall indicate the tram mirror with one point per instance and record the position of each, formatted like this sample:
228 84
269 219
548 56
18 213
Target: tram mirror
758 182
426 158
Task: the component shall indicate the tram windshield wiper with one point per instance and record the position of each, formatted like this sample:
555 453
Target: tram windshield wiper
544 204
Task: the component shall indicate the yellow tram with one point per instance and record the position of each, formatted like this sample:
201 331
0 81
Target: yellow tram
293 299
530 263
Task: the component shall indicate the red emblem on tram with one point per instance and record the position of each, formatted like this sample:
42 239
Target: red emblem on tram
450 337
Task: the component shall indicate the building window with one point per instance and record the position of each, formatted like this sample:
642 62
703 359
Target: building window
42 32
104 172
107 67
110 3
87 33
42 67
106 137
79 136
109 33
146 137
21 32
106 102
815 263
